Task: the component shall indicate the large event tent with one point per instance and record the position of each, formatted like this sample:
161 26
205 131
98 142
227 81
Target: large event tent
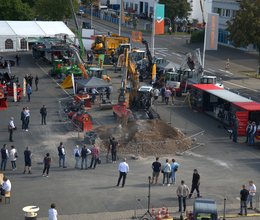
18 35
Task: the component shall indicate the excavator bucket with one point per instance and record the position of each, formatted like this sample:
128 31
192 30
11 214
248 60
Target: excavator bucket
67 83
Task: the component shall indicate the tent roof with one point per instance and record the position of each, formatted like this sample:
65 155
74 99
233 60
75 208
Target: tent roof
34 28
92 82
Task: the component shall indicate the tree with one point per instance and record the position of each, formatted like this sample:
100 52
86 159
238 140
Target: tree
15 10
244 28
54 10
176 8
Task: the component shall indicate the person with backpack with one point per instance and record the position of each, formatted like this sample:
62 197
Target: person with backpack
174 169
47 165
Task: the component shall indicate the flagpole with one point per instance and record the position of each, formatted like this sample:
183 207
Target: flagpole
120 18
153 29
204 46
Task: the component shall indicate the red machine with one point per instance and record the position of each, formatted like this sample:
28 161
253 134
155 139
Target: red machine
3 98
83 98
82 120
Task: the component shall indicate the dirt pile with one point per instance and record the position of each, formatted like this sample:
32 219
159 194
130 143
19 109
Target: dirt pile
145 137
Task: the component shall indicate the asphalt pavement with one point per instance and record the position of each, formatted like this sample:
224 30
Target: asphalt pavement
92 194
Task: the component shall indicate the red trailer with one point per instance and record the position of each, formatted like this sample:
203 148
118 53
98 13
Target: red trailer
223 105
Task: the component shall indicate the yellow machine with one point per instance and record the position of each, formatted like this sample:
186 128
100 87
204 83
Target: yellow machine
108 44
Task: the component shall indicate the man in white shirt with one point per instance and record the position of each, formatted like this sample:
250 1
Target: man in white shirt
156 94
11 128
53 214
6 186
252 192
123 169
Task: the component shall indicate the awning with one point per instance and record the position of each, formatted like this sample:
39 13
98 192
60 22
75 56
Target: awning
92 82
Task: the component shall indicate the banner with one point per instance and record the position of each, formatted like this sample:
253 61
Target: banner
15 92
101 58
212 31
24 87
159 18
73 83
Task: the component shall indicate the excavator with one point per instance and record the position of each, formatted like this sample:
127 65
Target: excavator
136 103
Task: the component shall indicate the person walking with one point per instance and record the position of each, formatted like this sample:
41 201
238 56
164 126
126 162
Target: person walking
248 131
243 200
27 118
195 183
174 168
61 154
162 91
252 192
95 152
166 170
47 165
114 145
23 118
11 128
84 157
43 112
156 94
182 193
36 81
123 169
4 157
13 157
27 161
52 213
167 95
28 92
156 166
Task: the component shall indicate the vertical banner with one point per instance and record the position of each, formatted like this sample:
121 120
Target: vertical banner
73 83
101 58
212 32
15 92
24 87
159 18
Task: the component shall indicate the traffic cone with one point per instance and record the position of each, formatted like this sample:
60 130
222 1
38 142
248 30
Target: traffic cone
167 214
159 216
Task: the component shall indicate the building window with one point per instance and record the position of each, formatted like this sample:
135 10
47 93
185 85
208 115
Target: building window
131 5
217 10
9 44
23 43
136 7
228 13
223 14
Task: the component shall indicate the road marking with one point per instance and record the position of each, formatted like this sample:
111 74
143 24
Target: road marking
178 55
52 79
226 71
160 54
211 70
243 87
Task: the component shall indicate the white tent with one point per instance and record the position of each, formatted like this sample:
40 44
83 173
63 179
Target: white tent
17 35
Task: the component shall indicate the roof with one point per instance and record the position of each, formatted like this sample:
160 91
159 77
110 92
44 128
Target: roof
92 82
229 96
34 28
249 106
207 87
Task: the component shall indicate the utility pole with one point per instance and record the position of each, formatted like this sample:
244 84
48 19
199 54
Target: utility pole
120 17
153 28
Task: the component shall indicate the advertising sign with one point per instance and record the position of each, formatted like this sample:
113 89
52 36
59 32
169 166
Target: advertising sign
159 18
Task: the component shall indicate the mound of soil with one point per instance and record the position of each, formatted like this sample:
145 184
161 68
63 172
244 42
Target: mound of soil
145 137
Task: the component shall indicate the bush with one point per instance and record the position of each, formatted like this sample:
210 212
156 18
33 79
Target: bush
197 36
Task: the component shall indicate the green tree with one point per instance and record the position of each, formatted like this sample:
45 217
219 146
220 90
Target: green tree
244 28
54 10
176 8
15 10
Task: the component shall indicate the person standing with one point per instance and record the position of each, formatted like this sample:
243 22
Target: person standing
248 131
13 157
162 91
76 153
27 161
28 92
62 154
84 157
95 152
5 187
23 118
252 134
17 57
243 200
174 169
47 165
114 145
4 157
166 170
36 80
52 212
156 93
182 193
195 183
156 165
167 95
27 118
123 169
11 128
43 112
252 192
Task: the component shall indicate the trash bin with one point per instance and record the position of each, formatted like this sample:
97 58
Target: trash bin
30 212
